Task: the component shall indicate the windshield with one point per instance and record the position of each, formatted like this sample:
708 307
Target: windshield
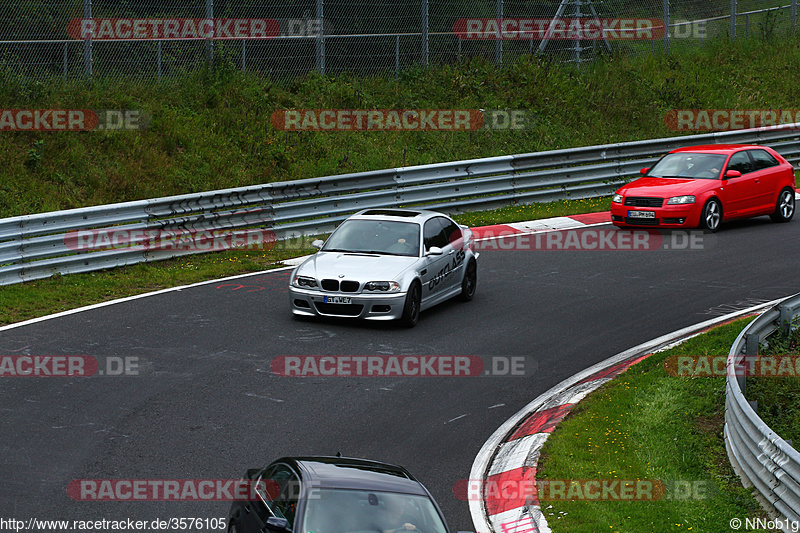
689 165
375 236
358 511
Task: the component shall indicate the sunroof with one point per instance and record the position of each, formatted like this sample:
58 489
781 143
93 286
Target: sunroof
391 212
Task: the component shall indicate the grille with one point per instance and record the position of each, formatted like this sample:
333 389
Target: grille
339 309
643 201
330 284
641 221
349 286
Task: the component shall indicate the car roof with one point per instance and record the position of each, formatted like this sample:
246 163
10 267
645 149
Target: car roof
403 215
352 473
716 148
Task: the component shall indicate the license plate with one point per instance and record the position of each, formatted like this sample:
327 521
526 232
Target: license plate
338 300
641 214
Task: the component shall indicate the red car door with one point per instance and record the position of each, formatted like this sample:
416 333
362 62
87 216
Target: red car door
739 195
768 182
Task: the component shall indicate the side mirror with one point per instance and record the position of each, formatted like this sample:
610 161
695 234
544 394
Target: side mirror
643 171
277 524
434 250
732 174
318 244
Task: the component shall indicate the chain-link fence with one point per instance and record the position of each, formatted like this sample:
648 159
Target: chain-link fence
287 38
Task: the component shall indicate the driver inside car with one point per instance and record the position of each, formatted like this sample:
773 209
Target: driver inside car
395 518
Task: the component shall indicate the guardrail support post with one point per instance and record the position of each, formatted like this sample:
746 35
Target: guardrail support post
748 362
786 320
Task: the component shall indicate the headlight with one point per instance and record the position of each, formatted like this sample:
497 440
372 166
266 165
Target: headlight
383 286
304 281
617 198
681 200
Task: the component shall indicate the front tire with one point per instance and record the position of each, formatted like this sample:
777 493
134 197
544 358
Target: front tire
411 309
784 209
470 282
712 215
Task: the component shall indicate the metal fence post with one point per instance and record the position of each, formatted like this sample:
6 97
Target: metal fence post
733 20
65 61
244 55
159 61
396 56
87 43
665 16
321 36
794 16
498 45
425 43
209 43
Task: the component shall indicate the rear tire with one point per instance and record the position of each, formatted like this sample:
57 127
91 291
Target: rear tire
470 282
712 215
784 209
412 305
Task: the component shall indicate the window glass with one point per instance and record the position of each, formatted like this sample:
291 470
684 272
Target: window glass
375 236
741 161
453 233
434 234
763 159
279 491
688 165
345 511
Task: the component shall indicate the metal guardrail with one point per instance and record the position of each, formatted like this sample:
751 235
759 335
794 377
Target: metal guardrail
759 456
36 246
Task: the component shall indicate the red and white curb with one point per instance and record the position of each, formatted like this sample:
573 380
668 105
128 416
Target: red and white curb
510 456
536 226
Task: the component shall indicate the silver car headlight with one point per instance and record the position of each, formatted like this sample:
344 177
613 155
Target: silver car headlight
681 200
616 198
304 281
382 286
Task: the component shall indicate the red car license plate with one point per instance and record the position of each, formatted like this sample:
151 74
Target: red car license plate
641 214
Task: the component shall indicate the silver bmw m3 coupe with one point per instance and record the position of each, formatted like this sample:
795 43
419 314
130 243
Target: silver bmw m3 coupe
386 264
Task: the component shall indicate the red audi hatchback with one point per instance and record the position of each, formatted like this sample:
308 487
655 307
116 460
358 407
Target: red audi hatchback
702 186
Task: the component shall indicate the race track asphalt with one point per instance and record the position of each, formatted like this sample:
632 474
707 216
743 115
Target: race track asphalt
206 405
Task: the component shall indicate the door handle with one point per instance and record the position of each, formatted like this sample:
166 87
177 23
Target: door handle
247 509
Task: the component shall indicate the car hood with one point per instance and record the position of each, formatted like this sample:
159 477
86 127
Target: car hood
356 266
665 187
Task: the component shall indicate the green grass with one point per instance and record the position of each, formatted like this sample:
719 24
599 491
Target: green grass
778 398
212 130
647 424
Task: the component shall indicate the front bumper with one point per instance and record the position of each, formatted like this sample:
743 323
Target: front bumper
308 302
668 216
